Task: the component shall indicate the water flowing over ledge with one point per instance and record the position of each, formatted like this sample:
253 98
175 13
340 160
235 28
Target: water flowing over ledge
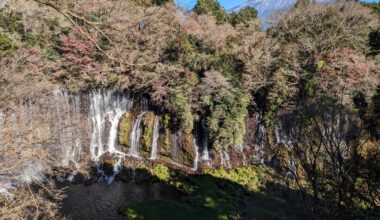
84 127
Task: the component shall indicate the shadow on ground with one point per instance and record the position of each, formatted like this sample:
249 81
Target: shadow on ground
163 193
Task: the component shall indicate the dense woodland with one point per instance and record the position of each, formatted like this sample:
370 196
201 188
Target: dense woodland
316 70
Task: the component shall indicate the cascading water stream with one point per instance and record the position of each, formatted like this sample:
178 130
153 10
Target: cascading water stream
106 106
67 114
260 141
292 170
196 158
244 160
135 136
225 159
96 146
114 119
205 153
156 130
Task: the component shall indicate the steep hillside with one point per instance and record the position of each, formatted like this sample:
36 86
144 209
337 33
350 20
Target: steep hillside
133 108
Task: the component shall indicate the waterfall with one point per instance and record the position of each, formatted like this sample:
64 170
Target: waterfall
66 112
282 137
106 106
277 134
205 153
292 167
116 170
260 141
225 159
60 125
196 158
244 159
135 136
156 130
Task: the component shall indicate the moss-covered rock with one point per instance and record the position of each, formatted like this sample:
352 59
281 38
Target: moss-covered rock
148 123
164 140
188 153
125 128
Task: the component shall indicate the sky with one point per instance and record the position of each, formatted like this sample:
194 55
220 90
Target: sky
228 4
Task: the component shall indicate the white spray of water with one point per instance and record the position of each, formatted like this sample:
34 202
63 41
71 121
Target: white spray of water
225 159
206 153
135 136
260 141
156 130
196 158
244 159
114 119
116 170
106 106
57 120
292 173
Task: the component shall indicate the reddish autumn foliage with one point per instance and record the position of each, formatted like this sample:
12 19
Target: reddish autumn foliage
344 71
79 54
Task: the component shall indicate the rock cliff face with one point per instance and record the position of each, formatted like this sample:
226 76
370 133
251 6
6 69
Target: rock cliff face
84 127
111 129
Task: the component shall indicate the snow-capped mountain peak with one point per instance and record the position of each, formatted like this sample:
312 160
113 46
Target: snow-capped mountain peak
266 7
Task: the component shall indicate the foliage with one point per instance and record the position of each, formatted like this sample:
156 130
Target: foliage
243 16
214 8
374 6
226 122
253 178
162 172
6 45
219 194
305 35
11 23
330 159
211 7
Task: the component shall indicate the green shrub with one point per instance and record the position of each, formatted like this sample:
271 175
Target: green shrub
162 172
50 53
374 6
227 121
6 45
212 7
12 23
243 16
52 24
